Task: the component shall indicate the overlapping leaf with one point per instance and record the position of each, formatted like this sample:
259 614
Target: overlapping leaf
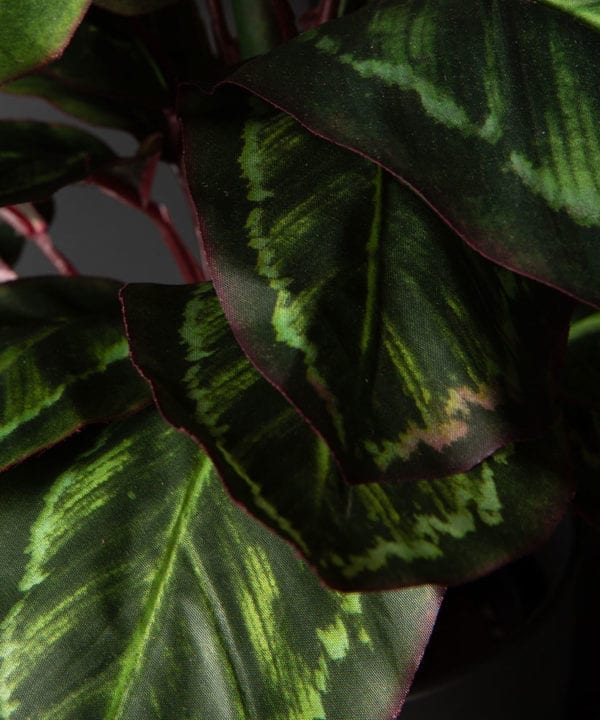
89 81
132 587
487 109
64 362
37 158
33 33
410 354
357 537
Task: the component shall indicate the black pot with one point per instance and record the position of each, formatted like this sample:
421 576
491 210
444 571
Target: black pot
502 646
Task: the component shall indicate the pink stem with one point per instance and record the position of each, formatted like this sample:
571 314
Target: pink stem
27 222
186 262
226 44
6 272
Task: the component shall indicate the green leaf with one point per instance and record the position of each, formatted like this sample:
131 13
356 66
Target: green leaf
37 158
64 362
133 587
133 7
89 81
486 109
369 536
411 355
33 33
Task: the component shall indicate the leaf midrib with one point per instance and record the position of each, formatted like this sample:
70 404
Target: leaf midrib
130 661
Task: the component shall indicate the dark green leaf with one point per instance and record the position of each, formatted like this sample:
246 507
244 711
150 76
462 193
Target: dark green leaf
410 354
89 80
11 244
133 7
64 362
357 537
133 587
33 33
486 109
581 384
256 26
37 158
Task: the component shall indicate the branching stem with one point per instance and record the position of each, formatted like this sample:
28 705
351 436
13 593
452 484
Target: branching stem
29 224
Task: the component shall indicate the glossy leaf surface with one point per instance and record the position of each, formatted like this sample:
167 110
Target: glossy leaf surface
486 109
37 158
410 354
33 33
357 537
133 587
64 362
89 81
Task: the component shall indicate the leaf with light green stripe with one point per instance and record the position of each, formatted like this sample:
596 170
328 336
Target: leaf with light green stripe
410 354
486 109
33 32
369 536
64 362
140 590
37 158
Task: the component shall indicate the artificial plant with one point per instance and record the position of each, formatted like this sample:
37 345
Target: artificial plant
243 496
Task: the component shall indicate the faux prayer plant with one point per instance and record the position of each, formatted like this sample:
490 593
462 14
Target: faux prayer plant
365 384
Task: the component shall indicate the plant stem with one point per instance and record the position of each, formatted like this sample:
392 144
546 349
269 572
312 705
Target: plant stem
227 45
6 272
256 26
27 222
286 20
188 267
326 10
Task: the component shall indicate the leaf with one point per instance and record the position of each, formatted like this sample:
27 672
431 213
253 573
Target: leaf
411 355
33 33
140 590
88 81
11 245
580 382
37 158
256 25
64 362
485 109
362 537
133 7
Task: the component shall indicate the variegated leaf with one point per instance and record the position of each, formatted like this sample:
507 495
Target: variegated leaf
356 537
133 587
410 354
64 362
33 33
486 109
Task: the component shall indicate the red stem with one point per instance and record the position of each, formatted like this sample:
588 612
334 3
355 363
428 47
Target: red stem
227 45
286 20
325 11
188 267
25 221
